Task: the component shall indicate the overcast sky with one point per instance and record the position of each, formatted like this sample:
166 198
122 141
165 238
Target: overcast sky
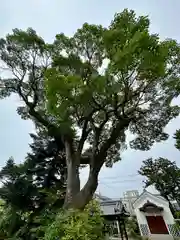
51 17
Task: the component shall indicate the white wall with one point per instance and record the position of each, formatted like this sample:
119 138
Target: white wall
141 216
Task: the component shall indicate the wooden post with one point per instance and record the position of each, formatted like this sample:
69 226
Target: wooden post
124 228
121 229
118 228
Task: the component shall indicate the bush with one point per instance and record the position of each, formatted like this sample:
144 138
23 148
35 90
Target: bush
81 225
133 228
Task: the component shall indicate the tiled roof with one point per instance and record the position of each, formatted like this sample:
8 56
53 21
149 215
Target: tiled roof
102 198
109 206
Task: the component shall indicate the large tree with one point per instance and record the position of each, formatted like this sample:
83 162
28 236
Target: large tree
24 186
164 175
104 82
33 189
99 83
45 162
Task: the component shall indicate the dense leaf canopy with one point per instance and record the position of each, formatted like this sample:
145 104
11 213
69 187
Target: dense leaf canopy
101 81
106 80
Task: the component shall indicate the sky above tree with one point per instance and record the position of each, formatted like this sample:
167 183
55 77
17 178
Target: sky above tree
51 17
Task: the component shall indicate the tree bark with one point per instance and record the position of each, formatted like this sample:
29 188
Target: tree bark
87 192
73 180
73 184
75 197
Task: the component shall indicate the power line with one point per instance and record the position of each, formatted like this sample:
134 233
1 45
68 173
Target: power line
117 177
121 176
110 186
121 181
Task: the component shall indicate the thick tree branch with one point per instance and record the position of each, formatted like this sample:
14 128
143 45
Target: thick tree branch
97 105
86 193
101 156
84 136
97 133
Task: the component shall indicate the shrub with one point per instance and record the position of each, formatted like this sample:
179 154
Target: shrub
76 224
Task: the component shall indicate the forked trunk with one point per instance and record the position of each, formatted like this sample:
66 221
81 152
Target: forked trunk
87 192
76 198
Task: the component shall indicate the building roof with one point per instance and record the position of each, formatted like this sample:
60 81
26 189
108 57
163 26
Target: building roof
149 206
101 197
110 206
158 200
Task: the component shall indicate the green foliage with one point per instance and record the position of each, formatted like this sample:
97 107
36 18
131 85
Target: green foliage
172 83
10 222
133 228
88 88
26 225
100 82
16 190
82 225
34 226
18 51
177 137
129 88
30 190
164 175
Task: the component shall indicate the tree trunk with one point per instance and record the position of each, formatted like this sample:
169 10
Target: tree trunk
73 184
76 198
73 180
87 192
